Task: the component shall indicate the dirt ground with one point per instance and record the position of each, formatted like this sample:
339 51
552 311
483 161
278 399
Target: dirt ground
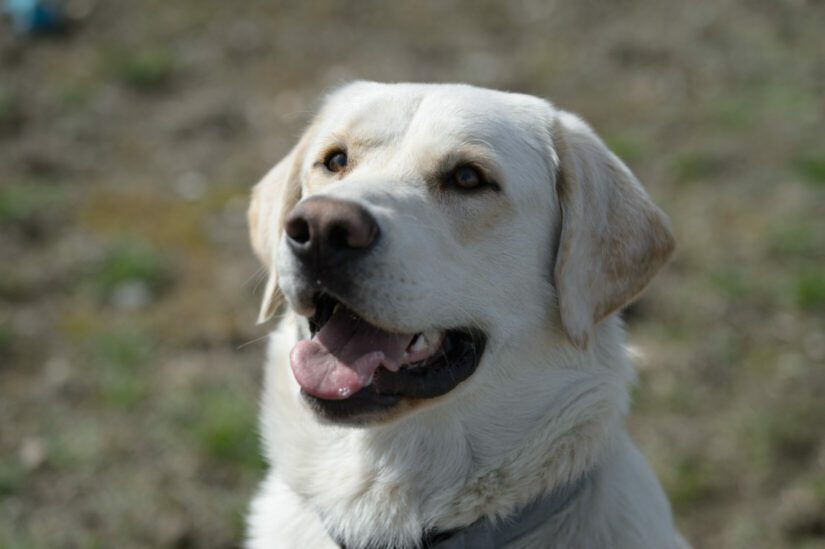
130 362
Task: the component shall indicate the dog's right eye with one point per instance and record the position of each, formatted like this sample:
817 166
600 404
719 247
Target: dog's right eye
335 161
468 179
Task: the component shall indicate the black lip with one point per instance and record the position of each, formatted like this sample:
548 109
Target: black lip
354 409
457 360
450 367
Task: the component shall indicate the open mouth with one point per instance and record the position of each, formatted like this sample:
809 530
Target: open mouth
350 366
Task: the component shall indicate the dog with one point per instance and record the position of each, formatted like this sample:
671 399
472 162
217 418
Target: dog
449 368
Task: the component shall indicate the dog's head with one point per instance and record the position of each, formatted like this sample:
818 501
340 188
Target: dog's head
415 227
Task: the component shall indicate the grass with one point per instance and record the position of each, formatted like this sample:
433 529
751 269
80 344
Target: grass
145 68
11 476
732 282
76 94
123 388
690 483
627 146
810 289
121 357
131 260
698 166
6 337
122 348
733 113
24 201
10 115
137 211
812 168
224 427
795 237
818 486
784 436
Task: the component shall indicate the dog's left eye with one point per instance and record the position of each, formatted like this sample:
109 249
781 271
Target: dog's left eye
469 178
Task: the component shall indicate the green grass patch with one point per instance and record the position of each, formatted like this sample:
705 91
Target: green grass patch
649 399
812 168
123 348
818 486
121 356
731 282
13 536
628 147
695 166
785 434
797 237
79 445
6 337
225 426
732 113
780 99
121 388
7 102
11 116
144 69
726 349
810 289
20 202
76 94
690 482
131 260
11 477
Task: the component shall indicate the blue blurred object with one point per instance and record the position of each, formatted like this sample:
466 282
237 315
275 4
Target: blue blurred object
34 16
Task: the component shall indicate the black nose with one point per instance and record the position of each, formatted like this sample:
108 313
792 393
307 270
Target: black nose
324 232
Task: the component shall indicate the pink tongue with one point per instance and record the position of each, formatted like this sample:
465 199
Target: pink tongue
343 356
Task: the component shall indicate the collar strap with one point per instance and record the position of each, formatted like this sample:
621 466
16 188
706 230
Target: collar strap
493 534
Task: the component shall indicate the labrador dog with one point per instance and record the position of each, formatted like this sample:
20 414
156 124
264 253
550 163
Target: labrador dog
450 369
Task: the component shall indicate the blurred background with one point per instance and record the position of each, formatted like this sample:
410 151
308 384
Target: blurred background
131 133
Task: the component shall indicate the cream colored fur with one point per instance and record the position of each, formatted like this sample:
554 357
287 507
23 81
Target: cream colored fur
541 267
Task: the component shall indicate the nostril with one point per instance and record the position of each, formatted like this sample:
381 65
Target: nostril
363 233
339 237
348 234
297 229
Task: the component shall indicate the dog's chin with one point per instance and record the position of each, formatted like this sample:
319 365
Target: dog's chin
361 410
434 363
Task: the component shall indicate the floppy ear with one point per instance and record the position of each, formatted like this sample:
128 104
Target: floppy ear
272 199
613 238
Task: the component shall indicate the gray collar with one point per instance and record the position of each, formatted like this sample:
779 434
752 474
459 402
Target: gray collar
489 534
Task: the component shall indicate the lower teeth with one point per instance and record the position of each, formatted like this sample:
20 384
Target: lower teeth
419 343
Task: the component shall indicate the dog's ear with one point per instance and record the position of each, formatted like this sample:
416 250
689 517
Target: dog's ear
613 238
272 200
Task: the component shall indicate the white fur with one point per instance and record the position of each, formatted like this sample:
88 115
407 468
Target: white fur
548 399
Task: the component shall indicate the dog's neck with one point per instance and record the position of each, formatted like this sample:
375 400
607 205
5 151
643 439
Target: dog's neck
488 533
465 458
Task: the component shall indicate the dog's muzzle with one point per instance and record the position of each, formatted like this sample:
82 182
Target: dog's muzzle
351 367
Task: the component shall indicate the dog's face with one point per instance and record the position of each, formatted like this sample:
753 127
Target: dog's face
418 227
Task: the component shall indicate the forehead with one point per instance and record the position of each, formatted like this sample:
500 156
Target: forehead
434 116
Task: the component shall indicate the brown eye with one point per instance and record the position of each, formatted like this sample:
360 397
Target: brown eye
336 161
467 178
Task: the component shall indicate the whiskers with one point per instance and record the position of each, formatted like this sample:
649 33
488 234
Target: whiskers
259 277
252 342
